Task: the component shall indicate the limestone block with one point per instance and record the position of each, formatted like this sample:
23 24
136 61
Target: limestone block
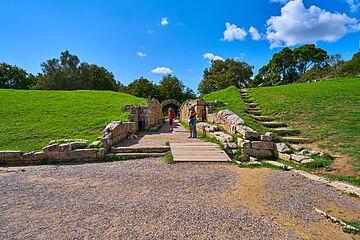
244 158
298 158
212 118
224 113
234 120
245 144
247 133
58 148
10 156
266 138
257 153
81 154
231 145
296 147
76 145
284 156
111 126
282 148
101 153
304 151
33 157
308 160
262 145
239 141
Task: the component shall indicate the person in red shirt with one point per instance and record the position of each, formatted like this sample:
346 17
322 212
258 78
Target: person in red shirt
171 116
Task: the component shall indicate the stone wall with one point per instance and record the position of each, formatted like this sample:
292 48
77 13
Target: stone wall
200 107
145 117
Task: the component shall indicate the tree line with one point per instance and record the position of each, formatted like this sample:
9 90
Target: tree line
302 64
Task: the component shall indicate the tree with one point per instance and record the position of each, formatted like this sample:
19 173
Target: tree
67 73
352 67
308 56
15 77
335 61
143 88
223 74
172 88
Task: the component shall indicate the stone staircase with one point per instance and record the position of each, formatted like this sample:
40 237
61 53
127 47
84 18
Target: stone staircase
138 152
287 133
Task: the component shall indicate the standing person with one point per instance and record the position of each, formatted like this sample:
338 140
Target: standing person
171 116
192 122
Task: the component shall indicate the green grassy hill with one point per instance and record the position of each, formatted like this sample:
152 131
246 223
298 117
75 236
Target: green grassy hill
31 119
328 112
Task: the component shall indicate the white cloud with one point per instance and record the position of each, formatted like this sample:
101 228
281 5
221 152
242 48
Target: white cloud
254 34
298 25
150 31
162 70
354 5
232 32
242 55
140 54
211 57
164 21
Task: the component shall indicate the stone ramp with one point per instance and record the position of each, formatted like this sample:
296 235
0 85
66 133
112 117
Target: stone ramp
198 152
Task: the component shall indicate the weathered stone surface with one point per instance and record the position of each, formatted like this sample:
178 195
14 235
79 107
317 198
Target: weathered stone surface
223 137
81 154
33 157
258 153
101 153
315 152
10 155
304 151
76 145
239 141
262 145
265 138
247 133
284 156
58 148
231 145
298 158
308 160
271 134
282 148
234 120
296 147
245 144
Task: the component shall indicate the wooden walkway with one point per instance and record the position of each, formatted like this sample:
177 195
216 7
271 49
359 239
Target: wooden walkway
198 151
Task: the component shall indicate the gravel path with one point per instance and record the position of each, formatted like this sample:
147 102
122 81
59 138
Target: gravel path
139 199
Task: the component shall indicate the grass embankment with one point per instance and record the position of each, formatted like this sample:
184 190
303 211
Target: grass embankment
31 119
327 112
231 96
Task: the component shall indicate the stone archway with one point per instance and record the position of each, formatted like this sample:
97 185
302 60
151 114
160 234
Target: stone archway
171 102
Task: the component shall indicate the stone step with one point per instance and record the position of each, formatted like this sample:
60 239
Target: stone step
126 156
274 124
283 131
248 101
150 149
254 109
244 90
296 139
254 112
251 105
262 118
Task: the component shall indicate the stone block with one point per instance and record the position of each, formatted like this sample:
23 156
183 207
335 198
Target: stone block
296 147
262 145
265 138
308 160
239 141
244 158
284 156
245 144
81 154
59 148
10 156
33 157
282 148
298 158
257 153
247 133
101 153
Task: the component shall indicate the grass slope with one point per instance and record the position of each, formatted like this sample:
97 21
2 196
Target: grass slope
31 119
231 96
327 112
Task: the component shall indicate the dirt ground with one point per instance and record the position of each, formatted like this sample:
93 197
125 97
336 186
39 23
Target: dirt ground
149 199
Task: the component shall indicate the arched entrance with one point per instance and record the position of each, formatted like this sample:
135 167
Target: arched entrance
171 103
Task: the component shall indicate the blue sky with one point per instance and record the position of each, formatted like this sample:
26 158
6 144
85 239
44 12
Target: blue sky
134 38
